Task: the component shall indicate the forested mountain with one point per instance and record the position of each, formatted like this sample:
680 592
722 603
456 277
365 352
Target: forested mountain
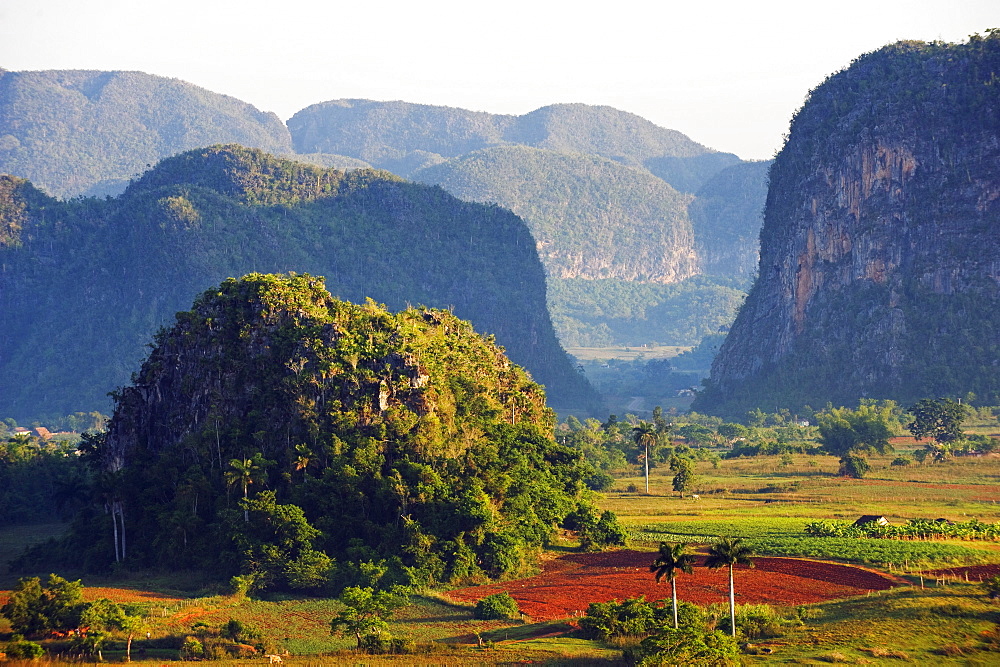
591 217
878 274
367 447
86 282
76 132
403 137
725 216
608 195
87 132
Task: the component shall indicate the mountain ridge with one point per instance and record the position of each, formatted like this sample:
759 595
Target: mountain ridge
136 259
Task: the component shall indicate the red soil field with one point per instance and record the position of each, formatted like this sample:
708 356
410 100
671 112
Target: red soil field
569 583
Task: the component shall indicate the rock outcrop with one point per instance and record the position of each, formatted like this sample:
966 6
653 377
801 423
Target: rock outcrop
879 274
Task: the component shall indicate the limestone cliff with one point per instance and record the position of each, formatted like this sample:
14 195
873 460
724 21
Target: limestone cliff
879 273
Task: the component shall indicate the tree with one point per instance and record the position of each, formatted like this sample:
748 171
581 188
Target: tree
673 558
644 435
732 432
104 616
941 419
244 472
683 469
367 611
33 609
729 552
848 433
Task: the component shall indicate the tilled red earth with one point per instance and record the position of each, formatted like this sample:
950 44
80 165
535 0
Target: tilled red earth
569 583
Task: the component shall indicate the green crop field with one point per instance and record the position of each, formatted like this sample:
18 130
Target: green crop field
766 500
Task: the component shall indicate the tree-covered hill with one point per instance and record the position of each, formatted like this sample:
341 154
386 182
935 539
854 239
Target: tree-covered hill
608 195
88 132
878 274
297 441
725 216
86 283
591 217
80 131
403 137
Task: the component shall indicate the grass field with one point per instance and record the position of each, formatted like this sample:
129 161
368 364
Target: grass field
766 500
626 353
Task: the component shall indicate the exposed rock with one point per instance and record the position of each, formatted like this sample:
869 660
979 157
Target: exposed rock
879 271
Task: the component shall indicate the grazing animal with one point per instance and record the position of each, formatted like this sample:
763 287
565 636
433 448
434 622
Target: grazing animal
274 659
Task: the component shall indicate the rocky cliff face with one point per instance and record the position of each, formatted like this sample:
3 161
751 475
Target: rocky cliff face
879 272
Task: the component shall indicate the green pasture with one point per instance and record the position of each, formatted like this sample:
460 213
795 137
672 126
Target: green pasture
765 500
627 353
808 487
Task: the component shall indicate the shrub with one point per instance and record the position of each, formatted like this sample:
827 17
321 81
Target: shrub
599 481
992 587
632 618
403 646
497 606
376 644
854 466
192 648
901 462
22 650
688 646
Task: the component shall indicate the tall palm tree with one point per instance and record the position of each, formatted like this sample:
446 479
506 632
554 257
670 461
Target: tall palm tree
727 552
673 558
645 435
243 472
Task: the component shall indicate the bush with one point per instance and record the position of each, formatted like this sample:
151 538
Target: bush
22 650
192 648
854 466
901 462
688 646
403 646
497 606
599 481
632 618
376 644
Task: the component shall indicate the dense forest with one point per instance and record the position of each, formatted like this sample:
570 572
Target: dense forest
86 282
608 196
622 201
295 441
74 132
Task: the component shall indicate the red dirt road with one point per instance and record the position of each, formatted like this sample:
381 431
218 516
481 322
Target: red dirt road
569 583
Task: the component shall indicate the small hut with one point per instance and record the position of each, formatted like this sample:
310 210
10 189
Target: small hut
869 519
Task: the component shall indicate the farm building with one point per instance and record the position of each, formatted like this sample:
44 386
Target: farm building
872 518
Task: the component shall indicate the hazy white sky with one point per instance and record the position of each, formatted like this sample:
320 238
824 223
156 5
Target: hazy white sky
729 74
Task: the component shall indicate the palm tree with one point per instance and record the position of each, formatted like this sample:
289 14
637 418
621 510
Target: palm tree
645 435
303 457
727 552
672 559
243 472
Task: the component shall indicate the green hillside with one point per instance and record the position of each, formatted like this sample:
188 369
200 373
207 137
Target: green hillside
403 137
591 217
367 447
726 214
86 282
80 131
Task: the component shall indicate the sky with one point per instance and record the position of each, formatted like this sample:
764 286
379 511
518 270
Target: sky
729 74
